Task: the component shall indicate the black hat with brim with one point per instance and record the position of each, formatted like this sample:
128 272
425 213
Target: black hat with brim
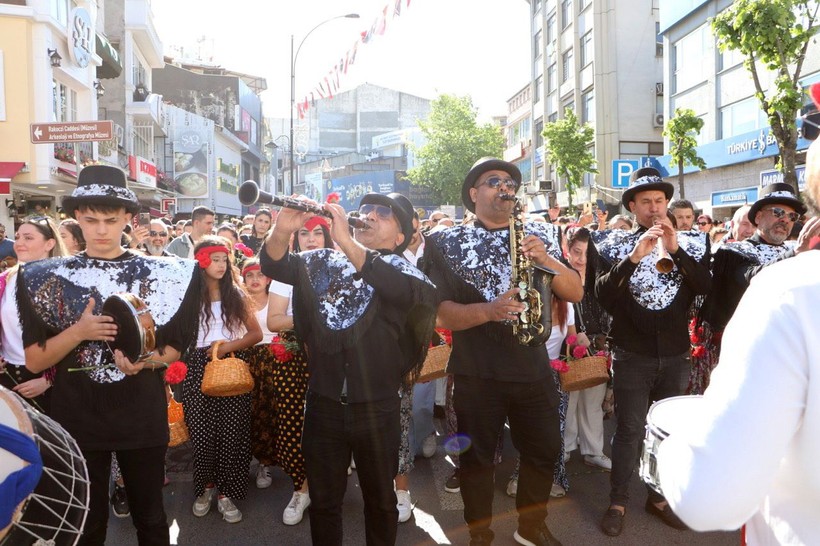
480 167
101 185
402 210
646 179
777 194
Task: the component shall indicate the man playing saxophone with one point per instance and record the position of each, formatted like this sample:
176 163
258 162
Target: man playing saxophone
496 377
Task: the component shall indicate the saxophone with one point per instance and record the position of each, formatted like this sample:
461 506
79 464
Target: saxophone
533 325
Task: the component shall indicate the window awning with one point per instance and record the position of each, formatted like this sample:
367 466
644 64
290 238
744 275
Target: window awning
9 169
111 66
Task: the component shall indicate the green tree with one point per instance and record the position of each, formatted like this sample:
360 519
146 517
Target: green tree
681 131
454 142
569 147
773 35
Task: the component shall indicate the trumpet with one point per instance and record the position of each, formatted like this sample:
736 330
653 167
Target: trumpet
250 194
664 263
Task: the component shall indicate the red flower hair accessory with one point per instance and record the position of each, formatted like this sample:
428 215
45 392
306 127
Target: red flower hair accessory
333 197
314 221
253 267
203 255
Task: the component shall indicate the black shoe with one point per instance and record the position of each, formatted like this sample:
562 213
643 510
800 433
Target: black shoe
612 523
482 538
119 500
666 515
453 484
535 536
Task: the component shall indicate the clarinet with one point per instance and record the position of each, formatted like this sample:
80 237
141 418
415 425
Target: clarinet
250 194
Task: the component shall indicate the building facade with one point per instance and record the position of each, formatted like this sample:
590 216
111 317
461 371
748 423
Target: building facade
736 141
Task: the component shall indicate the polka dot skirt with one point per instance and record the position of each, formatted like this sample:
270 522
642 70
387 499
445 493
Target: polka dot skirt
220 429
290 382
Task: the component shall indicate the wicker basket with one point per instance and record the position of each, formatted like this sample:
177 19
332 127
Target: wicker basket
228 376
584 373
177 428
435 365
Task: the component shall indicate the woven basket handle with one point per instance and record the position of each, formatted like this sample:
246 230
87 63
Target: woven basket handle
215 349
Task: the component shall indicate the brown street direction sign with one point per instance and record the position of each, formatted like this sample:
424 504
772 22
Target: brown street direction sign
72 131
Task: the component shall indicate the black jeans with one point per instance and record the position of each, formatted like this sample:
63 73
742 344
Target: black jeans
482 406
143 471
371 432
638 381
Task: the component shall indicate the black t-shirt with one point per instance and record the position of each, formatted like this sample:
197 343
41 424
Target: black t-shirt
101 408
253 242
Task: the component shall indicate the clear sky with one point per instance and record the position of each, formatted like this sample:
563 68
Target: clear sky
465 47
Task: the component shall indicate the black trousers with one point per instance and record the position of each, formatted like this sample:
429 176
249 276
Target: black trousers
371 432
482 406
143 471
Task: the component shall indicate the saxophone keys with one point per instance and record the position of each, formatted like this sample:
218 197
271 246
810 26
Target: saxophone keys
523 286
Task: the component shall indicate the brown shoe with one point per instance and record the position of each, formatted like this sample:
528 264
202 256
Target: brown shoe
666 515
612 523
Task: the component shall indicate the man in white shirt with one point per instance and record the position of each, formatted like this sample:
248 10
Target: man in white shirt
749 455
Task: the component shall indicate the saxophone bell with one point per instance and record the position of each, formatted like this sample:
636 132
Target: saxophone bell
664 263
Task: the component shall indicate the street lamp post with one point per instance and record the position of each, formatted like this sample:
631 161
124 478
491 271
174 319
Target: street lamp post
293 57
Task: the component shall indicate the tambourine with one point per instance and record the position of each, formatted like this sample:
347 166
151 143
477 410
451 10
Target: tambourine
136 336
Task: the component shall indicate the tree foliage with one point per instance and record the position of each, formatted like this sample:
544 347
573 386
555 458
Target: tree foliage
773 35
569 147
454 142
682 131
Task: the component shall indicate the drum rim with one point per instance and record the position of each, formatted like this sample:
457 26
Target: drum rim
121 297
658 428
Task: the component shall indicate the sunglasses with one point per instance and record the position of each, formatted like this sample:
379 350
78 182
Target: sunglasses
780 213
495 181
157 233
41 221
382 211
704 223
811 125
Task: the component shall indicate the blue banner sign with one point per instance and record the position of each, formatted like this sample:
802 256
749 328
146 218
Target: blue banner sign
734 198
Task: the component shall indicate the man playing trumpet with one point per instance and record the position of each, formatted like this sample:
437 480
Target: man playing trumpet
649 307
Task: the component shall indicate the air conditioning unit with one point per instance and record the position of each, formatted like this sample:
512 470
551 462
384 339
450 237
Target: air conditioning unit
657 120
546 185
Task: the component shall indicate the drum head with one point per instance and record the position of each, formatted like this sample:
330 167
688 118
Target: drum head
672 414
129 336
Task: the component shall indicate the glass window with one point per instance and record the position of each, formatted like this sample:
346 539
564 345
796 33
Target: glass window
138 72
566 13
584 4
553 117
658 40
59 11
730 58
551 34
537 45
539 84
587 51
552 104
741 117
588 107
551 81
569 105
689 54
539 128
567 65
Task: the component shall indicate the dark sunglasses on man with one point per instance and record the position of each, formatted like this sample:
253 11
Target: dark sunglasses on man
153 233
382 211
495 181
779 213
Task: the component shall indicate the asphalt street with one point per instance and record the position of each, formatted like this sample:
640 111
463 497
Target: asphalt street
437 517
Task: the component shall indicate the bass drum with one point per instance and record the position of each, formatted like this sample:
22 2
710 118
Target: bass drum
54 512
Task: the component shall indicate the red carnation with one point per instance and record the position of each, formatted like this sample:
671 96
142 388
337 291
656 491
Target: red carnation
699 351
280 352
559 365
333 197
579 352
176 372
244 249
572 339
693 338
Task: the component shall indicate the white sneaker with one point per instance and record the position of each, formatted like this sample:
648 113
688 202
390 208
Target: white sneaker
557 491
429 446
512 488
229 511
404 504
202 504
601 461
295 509
263 477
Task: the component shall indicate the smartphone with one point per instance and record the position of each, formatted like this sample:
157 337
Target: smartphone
141 219
587 208
601 205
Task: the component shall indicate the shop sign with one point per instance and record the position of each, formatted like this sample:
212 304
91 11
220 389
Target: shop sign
81 41
142 171
734 198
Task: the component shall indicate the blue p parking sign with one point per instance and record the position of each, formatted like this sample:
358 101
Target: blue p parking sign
622 169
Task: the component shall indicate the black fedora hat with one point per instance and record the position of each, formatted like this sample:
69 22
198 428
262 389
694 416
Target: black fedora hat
402 209
101 185
646 179
480 167
776 194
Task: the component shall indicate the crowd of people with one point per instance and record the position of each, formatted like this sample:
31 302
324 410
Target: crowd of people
335 324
